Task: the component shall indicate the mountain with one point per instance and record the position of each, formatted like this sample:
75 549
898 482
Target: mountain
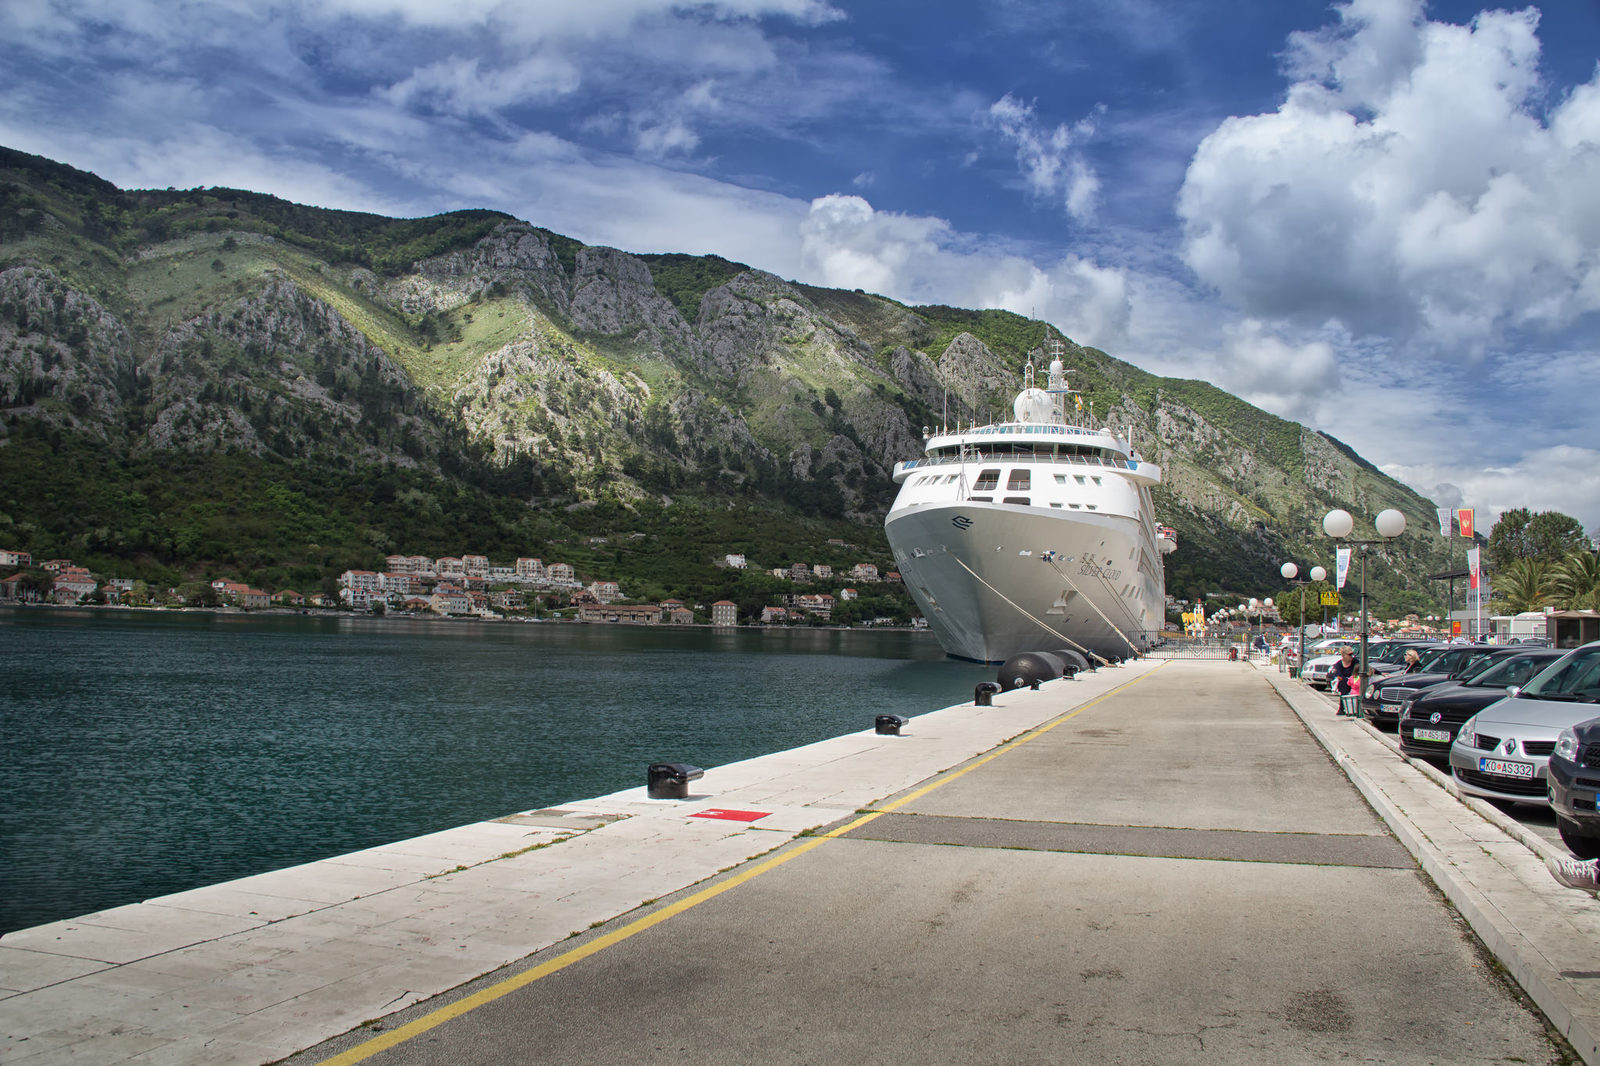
200 380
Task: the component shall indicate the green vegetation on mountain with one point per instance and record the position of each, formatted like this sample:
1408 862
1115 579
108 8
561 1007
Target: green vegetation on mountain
212 381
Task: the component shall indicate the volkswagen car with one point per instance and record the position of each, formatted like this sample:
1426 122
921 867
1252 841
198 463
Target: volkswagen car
1503 751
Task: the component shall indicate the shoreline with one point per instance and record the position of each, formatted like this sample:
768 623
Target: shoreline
402 616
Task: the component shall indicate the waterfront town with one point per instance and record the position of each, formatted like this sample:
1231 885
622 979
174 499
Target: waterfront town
448 586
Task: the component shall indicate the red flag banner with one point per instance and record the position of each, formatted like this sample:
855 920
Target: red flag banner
1464 517
1472 567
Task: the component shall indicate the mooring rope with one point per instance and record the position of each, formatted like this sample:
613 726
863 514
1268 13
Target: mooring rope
1042 624
1052 561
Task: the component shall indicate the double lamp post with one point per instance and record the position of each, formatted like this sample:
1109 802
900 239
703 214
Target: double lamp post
1339 525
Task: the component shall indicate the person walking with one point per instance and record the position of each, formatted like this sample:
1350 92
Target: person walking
1343 679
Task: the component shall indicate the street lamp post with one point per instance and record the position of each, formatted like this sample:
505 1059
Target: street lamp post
1290 573
1339 525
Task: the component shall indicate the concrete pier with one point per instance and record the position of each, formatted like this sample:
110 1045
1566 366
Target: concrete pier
1188 861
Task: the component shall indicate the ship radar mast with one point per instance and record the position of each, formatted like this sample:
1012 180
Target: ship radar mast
1061 391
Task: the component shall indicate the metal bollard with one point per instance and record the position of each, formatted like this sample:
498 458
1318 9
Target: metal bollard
889 725
983 695
670 780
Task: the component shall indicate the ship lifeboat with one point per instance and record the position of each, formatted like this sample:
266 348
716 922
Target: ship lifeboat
1167 539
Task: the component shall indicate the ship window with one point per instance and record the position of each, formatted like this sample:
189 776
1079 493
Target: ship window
1097 481
951 478
1056 505
1061 479
1075 506
981 499
988 481
1079 479
1019 481
1025 501
1091 507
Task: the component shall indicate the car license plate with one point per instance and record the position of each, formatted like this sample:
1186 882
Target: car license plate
1504 768
1440 735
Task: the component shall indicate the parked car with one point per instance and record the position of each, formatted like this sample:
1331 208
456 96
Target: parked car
1318 668
1429 718
1503 751
1441 664
1574 787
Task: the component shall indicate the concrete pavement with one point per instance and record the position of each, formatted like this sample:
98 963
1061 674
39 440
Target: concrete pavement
257 969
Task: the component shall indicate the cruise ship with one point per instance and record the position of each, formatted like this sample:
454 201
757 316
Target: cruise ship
1036 534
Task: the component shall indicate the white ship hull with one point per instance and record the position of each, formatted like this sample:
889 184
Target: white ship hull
994 580
1035 534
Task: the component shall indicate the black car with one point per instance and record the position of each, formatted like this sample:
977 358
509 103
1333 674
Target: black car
1574 784
1430 719
1440 665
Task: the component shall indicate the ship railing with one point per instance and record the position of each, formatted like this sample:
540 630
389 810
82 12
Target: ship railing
1032 457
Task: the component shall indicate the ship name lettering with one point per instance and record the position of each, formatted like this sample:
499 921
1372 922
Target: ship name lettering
1091 570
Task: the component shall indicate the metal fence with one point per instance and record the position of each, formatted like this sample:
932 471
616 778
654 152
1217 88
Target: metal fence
1196 649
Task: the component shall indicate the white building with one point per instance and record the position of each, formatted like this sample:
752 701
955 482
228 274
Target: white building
366 580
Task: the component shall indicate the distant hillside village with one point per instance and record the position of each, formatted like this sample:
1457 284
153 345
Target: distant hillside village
449 586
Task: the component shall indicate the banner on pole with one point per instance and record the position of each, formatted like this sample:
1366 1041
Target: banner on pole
1464 519
1444 521
1342 566
1472 567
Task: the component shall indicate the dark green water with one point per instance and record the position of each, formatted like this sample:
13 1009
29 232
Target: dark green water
148 753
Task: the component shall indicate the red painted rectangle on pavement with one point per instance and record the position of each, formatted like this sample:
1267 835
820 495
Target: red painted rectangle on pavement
730 816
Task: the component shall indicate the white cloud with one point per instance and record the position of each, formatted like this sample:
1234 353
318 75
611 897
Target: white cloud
845 243
463 86
1298 381
1561 477
1049 163
1406 186
848 245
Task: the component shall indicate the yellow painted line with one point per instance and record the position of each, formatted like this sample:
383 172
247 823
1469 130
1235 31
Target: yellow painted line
434 1019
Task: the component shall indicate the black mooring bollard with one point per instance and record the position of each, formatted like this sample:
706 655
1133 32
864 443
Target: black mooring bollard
889 725
670 780
983 695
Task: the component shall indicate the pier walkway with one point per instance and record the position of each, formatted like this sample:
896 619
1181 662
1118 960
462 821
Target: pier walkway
1179 861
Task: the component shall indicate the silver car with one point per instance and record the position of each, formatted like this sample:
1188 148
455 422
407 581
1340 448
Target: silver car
1503 751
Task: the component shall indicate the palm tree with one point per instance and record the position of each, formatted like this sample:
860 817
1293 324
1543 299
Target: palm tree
1576 581
1525 585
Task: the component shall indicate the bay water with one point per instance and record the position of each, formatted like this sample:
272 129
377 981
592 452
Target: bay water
143 753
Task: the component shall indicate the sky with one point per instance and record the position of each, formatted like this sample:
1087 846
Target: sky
1379 218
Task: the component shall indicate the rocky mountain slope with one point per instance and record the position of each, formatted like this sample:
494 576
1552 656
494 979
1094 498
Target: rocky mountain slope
476 348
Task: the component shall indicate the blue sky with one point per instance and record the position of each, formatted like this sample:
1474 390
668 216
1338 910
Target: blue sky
1378 218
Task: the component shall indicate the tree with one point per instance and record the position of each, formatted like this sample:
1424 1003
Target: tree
1288 602
1525 585
1576 581
1549 536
